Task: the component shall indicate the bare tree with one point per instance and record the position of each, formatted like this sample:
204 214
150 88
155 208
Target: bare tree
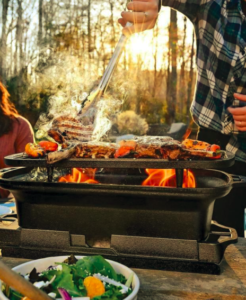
172 72
113 37
155 38
89 26
182 93
3 52
190 81
40 21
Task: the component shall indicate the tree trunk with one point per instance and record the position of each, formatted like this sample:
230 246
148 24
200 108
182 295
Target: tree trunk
3 52
11 47
89 26
40 21
19 32
182 91
156 34
190 81
172 78
113 38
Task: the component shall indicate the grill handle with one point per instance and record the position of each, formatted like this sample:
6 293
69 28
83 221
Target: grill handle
238 181
6 170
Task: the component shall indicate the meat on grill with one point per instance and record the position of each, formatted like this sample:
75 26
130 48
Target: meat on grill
56 136
163 149
95 150
67 129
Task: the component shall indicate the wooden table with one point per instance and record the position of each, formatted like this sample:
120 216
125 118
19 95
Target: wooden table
155 285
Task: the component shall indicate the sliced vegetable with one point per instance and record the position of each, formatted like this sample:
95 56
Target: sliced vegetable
129 280
48 146
94 287
64 294
216 149
111 281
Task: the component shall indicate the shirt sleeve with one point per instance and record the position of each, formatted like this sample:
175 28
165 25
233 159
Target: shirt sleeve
24 136
190 8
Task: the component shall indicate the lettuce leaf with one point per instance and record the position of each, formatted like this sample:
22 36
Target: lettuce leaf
66 279
96 264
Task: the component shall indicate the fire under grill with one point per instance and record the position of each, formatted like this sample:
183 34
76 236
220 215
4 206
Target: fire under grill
148 226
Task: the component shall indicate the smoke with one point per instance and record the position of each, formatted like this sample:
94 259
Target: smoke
69 80
106 110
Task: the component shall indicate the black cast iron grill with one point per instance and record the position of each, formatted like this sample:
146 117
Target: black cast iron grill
128 209
123 212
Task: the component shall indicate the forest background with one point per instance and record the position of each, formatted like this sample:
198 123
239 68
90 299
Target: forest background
52 48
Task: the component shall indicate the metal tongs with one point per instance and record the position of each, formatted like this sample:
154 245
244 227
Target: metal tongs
98 92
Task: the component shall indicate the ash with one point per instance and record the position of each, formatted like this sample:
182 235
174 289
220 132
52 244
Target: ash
40 174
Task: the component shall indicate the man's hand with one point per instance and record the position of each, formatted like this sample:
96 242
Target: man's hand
143 15
239 114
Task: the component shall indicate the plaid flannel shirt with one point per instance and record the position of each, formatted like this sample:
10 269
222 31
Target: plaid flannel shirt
220 28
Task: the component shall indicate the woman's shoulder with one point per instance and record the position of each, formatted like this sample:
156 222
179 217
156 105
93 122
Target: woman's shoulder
23 124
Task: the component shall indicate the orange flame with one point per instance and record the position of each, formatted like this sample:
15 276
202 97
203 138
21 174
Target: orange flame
80 176
167 177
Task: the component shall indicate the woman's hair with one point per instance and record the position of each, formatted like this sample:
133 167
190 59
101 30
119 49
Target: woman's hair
8 113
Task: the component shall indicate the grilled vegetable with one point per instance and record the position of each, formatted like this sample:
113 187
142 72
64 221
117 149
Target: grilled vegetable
48 146
216 149
127 148
195 145
34 151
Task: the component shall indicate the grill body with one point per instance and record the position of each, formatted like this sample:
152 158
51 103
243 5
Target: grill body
118 209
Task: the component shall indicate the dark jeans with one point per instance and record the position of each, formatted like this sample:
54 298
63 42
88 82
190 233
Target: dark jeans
228 211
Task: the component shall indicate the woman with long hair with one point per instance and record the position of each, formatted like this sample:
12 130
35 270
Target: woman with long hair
15 131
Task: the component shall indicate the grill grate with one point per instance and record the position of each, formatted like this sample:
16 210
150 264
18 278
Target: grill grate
19 160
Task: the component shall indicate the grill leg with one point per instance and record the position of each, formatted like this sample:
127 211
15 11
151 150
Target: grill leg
179 177
50 173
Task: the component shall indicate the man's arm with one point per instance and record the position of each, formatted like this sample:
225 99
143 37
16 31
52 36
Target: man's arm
143 13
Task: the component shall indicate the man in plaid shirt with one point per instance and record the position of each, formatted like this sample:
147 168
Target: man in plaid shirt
220 27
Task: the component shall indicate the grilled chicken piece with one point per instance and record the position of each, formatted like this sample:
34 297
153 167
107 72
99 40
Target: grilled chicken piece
142 147
95 150
150 146
171 150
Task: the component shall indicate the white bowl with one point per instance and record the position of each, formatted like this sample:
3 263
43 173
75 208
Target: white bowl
44 263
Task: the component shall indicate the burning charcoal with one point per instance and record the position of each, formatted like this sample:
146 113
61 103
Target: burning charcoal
71 260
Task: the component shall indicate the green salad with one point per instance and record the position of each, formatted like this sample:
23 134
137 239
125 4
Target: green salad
91 277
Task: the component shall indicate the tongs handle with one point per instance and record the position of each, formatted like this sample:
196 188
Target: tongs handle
112 63
96 94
